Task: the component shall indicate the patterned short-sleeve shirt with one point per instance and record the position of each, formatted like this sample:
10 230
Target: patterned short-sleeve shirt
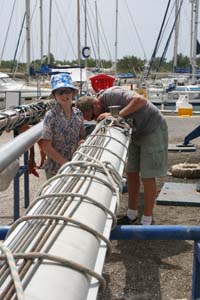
64 133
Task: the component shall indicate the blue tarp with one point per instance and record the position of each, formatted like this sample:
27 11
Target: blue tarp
126 75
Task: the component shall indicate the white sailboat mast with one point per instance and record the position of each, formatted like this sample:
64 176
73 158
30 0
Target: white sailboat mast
28 40
41 32
116 37
78 32
85 16
49 43
194 47
98 45
176 36
191 30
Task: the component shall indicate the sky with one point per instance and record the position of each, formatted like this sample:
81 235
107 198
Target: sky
137 29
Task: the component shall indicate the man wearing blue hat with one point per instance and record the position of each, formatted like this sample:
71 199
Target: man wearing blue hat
63 128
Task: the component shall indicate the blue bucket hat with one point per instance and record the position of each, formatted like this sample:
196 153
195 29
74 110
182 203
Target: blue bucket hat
62 80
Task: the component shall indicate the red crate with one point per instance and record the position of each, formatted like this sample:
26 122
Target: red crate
101 82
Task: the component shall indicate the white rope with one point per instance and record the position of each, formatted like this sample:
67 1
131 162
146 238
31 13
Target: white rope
66 220
13 271
82 197
115 187
63 261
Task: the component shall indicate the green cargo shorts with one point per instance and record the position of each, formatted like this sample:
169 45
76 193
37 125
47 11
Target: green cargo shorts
148 154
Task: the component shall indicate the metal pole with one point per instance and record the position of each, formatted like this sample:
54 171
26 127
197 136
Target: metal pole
28 39
191 31
26 180
196 15
98 45
116 37
78 33
3 232
49 42
85 2
16 207
156 232
41 32
16 147
176 34
196 272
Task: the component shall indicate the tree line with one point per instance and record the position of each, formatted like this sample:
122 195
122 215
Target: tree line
127 64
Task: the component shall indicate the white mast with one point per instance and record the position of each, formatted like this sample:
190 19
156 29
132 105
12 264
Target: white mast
28 40
116 37
85 2
41 31
194 47
176 33
191 30
98 46
78 31
85 22
49 44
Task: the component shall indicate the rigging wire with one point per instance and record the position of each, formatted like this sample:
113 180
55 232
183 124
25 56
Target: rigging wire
137 33
166 25
34 10
13 62
5 41
105 42
92 39
169 38
23 45
157 42
63 23
102 36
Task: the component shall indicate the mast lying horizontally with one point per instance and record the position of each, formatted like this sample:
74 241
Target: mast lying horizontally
60 245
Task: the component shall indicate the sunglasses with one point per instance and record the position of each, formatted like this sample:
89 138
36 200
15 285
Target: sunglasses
64 91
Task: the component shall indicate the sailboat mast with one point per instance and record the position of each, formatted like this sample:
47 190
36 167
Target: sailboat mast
41 32
116 37
98 45
85 17
176 33
194 47
191 31
79 34
28 40
49 43
85 14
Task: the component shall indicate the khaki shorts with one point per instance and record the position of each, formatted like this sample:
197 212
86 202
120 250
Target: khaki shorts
148 154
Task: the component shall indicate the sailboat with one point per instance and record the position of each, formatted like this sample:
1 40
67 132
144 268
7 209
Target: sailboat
167 91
